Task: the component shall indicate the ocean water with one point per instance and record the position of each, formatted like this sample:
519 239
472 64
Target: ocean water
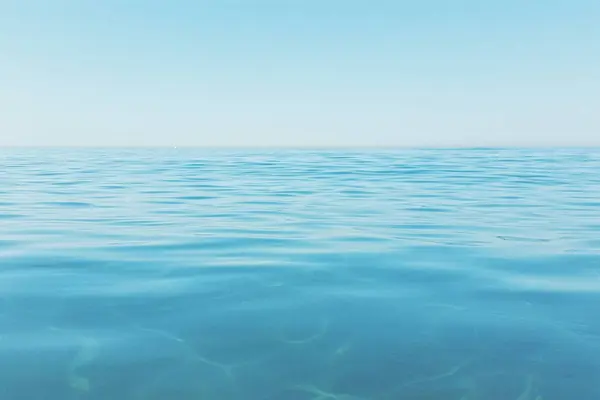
184 274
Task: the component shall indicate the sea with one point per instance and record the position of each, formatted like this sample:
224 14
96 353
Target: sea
306 274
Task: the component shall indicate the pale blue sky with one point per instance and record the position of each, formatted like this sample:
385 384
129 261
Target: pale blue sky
300 73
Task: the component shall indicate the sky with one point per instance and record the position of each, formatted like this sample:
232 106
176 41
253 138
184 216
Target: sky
300 73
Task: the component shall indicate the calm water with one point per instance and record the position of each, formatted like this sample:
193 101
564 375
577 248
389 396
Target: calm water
296 275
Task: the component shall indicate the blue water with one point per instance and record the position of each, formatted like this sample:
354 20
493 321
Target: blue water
322 275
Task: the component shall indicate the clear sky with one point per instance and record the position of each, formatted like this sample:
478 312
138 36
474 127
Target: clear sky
300 72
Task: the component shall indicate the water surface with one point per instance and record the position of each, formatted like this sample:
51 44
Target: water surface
325 275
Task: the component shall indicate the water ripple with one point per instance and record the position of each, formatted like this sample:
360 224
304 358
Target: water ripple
299 274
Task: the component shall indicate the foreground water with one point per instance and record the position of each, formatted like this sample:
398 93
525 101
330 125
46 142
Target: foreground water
322 275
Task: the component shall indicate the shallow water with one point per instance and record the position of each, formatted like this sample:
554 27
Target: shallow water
322 275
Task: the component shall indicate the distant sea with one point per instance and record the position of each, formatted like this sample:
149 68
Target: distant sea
187 274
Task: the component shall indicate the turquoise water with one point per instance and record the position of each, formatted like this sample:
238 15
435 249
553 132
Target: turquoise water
322 275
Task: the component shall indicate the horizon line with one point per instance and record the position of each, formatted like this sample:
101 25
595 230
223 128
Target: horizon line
299 147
